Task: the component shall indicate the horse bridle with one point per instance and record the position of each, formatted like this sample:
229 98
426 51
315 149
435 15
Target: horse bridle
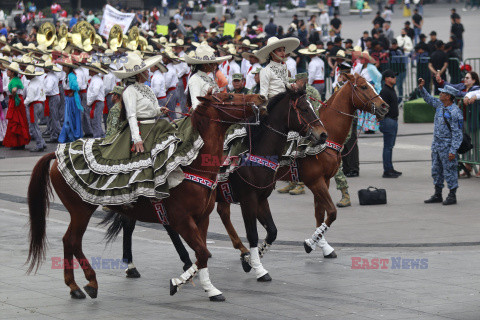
364 103
301 119
221 106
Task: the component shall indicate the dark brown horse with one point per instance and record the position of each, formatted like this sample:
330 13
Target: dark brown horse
188 206
316 171
288 111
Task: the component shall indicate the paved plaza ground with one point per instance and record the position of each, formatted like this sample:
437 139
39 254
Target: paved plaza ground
445 284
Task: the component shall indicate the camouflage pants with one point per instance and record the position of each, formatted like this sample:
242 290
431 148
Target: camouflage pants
340 178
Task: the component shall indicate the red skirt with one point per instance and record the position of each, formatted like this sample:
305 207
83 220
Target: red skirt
17 134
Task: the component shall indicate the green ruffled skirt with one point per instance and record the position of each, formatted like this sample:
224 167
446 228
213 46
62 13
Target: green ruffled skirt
107 172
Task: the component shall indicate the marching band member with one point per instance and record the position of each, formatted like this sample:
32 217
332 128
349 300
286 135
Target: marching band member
171 80
254 65
96 98
34 101
157 83
53 101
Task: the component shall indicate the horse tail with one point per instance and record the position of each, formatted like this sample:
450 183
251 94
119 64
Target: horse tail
115 223
39 194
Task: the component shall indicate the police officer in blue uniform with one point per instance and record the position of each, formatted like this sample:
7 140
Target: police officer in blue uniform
447 137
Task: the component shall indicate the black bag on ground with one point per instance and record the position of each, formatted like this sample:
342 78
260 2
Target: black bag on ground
372 195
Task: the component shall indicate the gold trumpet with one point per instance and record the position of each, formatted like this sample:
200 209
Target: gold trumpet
115 37
46 34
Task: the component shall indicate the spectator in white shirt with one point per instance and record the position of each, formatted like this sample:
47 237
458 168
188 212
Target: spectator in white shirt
405 42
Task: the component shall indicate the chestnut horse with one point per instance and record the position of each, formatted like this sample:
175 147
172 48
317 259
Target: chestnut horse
316 171
288 111
188 206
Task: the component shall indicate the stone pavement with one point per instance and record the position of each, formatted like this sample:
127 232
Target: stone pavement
305 286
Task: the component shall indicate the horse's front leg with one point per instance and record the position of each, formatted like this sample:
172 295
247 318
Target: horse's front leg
323 202
265 217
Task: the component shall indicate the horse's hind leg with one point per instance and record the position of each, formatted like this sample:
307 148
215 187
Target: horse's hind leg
68 265
81 222
223 210
128 227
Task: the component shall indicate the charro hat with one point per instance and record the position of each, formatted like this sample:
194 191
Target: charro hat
205 54
13 67
30 71
311 50
161 67
247 43
96 67
247 55
341 55
135 65
50 66
274 43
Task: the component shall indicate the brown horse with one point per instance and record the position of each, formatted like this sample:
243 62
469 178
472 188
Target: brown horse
188 206
316 171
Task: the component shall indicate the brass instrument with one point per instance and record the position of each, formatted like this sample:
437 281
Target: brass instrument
115 37
132 38
62 36
142 43
86 30
46 34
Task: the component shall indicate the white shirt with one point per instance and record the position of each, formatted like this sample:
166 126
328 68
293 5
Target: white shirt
81 78
244 66
198 86
223 67
5 81
250 78
316 70
357 67
273 79
291 66
182 68
171 79
232 68
109 82
405 43
158 84
324 19
140 103
473 94
25 83
96 90
35 91
51 84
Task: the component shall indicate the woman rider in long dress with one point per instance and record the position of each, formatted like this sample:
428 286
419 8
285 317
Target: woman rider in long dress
140 158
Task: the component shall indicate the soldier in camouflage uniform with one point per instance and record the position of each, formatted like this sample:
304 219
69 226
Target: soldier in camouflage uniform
238 84
447 138
256 88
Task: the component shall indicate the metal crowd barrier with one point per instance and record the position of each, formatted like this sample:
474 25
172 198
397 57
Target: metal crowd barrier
472 128
475 63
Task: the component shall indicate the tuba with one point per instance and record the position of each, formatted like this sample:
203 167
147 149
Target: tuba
46 34
142 43
132 38
62 36
115 37
86 30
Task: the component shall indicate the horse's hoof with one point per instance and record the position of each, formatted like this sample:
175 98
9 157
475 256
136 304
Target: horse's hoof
173 288
244 258
218 298
187 266
264 278
209 254
308 249
332 255
132 273
77 294
91 291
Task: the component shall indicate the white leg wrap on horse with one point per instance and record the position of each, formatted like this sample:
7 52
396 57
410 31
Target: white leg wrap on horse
256 264
263 248
317 236
186 276
326 248
130 266
204 278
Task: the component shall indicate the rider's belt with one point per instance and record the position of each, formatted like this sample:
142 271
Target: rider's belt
171 89
318 81
147 120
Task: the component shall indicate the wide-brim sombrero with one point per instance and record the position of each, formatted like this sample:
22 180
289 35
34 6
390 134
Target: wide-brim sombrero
274 43
30 71
311 50
135 65
205 54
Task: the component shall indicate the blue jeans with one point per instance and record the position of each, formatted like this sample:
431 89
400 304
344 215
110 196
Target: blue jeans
400 80
417 32
389 128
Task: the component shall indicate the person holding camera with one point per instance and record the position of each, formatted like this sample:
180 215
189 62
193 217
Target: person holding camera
447 138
